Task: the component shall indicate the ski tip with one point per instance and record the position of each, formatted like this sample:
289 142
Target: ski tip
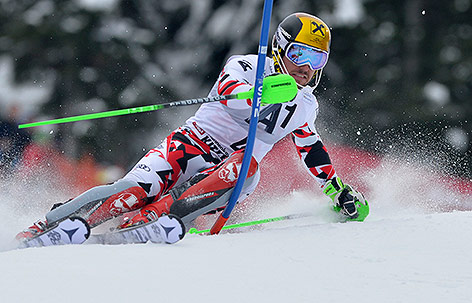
72 230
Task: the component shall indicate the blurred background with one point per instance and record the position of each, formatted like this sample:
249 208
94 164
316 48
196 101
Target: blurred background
399 78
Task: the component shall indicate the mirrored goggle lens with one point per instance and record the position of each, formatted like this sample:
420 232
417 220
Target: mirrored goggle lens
300 54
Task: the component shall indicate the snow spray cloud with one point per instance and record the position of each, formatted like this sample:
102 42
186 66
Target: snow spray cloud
397 188
419 169
406 177
27 195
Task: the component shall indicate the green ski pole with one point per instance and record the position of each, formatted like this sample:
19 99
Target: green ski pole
193 230
279 88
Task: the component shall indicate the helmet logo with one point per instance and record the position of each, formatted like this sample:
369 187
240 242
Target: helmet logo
315 28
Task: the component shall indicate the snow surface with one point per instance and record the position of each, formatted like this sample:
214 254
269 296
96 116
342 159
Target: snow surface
392 257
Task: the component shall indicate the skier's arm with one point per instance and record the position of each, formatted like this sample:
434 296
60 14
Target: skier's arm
314 154
311 150
276 88
232 81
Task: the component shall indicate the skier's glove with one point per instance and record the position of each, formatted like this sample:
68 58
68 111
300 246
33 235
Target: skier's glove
276 88
346 200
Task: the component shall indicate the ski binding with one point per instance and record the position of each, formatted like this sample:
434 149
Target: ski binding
166 229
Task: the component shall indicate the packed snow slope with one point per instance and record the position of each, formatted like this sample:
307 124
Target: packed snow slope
414 247
407 258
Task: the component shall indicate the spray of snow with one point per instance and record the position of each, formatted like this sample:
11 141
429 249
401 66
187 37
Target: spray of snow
395 187
26 198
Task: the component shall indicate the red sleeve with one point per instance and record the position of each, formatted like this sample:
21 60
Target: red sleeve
232 80
314 154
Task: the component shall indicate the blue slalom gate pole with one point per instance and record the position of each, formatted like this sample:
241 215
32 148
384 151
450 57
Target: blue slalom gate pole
261 58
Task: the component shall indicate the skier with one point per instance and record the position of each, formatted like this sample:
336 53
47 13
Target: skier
193 171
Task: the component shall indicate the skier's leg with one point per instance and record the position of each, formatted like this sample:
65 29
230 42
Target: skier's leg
102 203
96 205
147 179
180 156
204 193
189 204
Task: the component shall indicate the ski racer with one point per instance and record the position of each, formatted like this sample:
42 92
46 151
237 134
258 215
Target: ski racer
194 170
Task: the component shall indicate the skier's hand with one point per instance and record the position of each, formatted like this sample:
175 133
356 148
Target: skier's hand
276 88
346 200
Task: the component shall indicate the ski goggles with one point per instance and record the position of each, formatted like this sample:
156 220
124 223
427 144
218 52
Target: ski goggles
300 54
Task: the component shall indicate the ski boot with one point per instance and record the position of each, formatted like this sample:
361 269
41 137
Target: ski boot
37 228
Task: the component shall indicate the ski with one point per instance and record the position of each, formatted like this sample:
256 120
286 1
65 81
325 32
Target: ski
166 229
72 230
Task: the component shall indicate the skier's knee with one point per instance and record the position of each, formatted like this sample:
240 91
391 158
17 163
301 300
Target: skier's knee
204 194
